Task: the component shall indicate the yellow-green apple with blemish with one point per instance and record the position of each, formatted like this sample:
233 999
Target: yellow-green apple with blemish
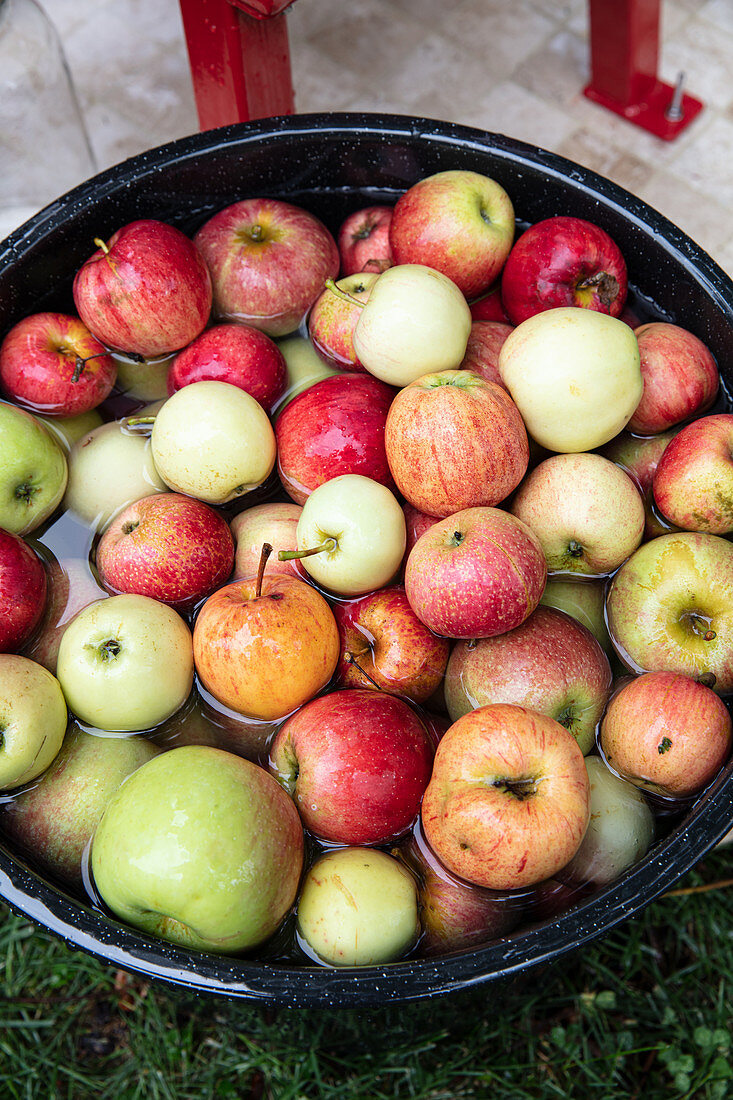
201 848
586 512
509 799
213 441
455 441
666 733
54 820
620 831
351 535
668 608
33 719
33 471
475 574
415 322
126 663
550 664
574 375
358 907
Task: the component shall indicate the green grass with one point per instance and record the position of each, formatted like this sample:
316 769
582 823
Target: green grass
642 1014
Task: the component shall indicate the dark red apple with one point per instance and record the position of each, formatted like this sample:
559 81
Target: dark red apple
563 261
335 427
147 290
238 354
356 763
50 363
168 546
269 261
364 239
384 645
489 307
482 350
23 588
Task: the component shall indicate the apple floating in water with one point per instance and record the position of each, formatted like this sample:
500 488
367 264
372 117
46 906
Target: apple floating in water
415 322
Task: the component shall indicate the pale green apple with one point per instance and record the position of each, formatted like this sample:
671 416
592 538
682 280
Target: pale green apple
67 429
145 379
201 848
620 830
126 663
33 719
33 471
304 368
54 820
358 907
575 376
416 322
583 599
213 441
110 467
360 528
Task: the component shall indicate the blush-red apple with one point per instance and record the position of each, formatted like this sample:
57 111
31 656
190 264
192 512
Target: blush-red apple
238 354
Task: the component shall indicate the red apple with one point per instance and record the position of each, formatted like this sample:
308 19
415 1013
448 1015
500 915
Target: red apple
482 350
639 456
666 733
71 587
23 590
264 649
356 763
509 799
167 546
475 574
50 363
384 645
460 223
680 377
489 307
455 915
272 523
455 441
563 261
416 523
550 664
364 239
335 427
332 321
693 481
269 261
238 354
147 290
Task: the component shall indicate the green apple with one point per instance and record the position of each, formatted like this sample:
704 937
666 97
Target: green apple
575 375
585 600
33 471
67 429
126 663
201 848
213 441
620 830
416 322
110 467
54 820
351 535
145 379
358 907
33 719
304 368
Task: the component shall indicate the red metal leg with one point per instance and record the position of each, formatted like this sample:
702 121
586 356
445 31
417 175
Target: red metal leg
240 65
624 41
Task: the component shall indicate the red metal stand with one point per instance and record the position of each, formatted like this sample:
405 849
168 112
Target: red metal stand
624 41
240 63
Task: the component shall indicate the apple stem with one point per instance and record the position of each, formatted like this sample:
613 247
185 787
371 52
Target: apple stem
81 363
264 555
138 422
351 660
101 244
340 293
288 555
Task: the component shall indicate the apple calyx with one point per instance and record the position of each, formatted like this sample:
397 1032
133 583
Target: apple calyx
327 546
664 745
708 679
700 625
351 660
264 555
575 549
25 492
605 285
110 649
520 789
330 284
